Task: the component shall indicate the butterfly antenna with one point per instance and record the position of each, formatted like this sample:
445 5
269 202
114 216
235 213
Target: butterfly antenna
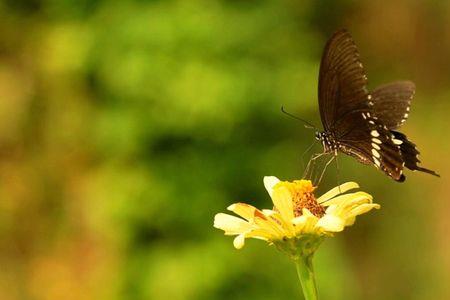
307 124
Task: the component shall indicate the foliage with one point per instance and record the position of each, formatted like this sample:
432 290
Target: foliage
126 125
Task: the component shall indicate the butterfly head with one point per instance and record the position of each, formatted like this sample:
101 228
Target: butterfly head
318 135
327 141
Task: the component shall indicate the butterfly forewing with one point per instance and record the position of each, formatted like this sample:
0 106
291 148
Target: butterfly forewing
342 80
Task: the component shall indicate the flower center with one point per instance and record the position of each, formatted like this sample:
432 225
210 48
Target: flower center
307 200
303 197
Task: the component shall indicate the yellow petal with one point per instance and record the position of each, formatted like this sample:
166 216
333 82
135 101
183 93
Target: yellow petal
272 229
299 223
282 199
347 206
362 209
331 223
269 183
306 222
337 190
269 212
259 234
350 221
242 209
231 224
358 199
274 215
348 197
239 241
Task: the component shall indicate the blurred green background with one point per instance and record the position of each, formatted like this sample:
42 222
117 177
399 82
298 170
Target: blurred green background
126 125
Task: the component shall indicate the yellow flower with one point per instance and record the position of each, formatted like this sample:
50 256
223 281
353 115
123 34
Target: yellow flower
297 215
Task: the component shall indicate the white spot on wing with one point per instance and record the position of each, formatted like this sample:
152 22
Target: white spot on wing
374 133
375 153
375 146
375 140
377 162
397 142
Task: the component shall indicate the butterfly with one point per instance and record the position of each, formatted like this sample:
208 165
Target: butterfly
360 123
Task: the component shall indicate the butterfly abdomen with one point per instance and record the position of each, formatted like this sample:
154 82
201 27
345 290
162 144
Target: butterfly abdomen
361 157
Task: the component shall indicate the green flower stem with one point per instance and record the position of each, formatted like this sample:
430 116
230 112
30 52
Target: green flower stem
305 273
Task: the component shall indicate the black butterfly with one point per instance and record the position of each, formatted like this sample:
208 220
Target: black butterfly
360 123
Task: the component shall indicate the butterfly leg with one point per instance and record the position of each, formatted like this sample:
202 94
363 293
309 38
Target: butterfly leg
309 171
304 153
325 168
310 164
337 172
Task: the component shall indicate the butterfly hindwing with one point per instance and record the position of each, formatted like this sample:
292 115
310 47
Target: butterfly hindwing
390 103
374 144
410 154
